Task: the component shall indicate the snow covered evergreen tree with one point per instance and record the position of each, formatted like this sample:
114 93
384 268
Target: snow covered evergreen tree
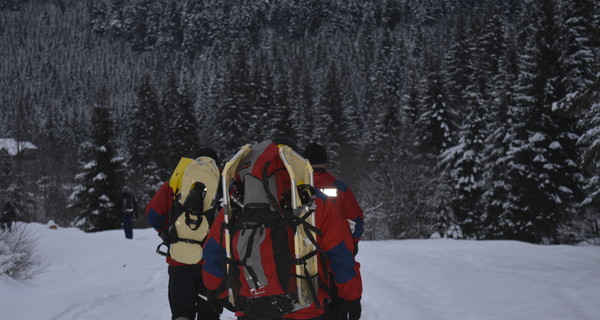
591 163
497 121
235 103
459 67
579 66
180 123
146 143
437 122
301 100
582 91
465 168
101 180
98 16
142 26
193 27
170 31
391 189
541 172
465 162
116 23
280 117
334 122
56 144
263 100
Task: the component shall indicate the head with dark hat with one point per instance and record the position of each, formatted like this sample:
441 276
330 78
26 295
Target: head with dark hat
208 152
316 154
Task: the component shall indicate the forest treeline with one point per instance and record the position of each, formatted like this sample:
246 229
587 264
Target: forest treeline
469 119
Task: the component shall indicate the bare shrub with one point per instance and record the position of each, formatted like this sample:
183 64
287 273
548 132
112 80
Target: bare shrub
18 258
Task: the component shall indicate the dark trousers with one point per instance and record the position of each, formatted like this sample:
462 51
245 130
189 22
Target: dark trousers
185 286
128 226
332 309
6 225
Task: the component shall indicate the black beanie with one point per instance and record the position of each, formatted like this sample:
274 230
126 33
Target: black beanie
315 153
208 152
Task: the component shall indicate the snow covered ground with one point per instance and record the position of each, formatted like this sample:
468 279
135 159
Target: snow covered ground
104 276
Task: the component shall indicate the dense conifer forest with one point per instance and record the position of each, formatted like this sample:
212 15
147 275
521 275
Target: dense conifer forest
471 119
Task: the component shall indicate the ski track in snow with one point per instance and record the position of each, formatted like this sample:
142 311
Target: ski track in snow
98 307
84 310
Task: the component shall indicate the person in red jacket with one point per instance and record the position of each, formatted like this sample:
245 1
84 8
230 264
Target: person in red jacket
186 286
337 190
342 195
334 242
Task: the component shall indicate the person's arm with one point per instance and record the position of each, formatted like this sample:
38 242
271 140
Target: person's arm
354 213
214 255
338 247
157 211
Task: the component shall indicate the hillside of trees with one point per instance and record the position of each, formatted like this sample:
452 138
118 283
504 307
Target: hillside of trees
471 119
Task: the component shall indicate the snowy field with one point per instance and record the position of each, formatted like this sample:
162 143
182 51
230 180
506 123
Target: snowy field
104 276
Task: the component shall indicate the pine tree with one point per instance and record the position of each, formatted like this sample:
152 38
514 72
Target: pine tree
19 185
146 142
13 5
465 168
181 122
142 28
385 127
541 164
193 26
591 163
116 23
578 61
98 17
497 120
303 109
170 32
330 129
55 145
437 122
410 101
465 162
101 180
235 103
582 91
585 27
353 124
264 102
280 116
489 49
458 67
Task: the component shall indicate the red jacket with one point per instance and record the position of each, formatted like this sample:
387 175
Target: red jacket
341 194
157 213
335 241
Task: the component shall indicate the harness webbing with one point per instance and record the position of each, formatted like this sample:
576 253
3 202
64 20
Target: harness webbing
294 222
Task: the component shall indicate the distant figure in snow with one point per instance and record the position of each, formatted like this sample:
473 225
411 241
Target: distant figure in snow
129 213
8 216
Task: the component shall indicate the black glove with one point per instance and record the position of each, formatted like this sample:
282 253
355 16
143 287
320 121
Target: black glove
164 235
217 304
350 310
